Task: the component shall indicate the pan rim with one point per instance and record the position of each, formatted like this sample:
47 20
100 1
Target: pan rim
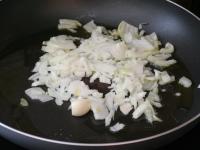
101 144
113 143
183 8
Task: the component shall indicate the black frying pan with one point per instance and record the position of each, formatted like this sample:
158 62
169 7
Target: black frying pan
25 24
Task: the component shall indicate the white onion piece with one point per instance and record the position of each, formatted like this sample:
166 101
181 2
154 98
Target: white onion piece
90 26
177 94
38 94
23 102
169 48
117 127
99 110
185 82
109 117
126 108
140 109
68 24
80 107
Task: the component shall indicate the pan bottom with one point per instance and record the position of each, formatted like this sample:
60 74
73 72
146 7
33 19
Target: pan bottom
55 122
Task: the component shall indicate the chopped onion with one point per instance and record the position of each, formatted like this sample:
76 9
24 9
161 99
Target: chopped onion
38 93
99 110
117 127
68 24
185 82
118 58
124 28
90 26
126 108
178 94
80 107
169 48
23 102
140 109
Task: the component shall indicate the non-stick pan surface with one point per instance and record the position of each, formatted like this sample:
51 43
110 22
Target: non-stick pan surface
25 24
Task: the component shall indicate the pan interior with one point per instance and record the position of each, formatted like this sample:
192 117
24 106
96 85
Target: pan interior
55 122
22 50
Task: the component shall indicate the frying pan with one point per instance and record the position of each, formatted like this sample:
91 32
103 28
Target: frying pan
25 24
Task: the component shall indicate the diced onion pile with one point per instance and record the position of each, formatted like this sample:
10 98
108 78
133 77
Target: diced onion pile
116 57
